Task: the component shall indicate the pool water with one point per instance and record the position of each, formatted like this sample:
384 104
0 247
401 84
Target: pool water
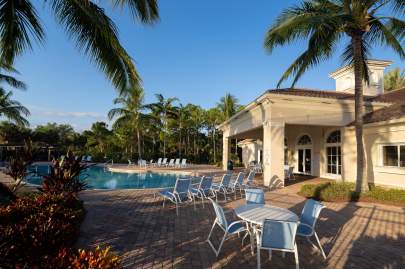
98 177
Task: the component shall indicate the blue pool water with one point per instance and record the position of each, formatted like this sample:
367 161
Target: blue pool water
98 177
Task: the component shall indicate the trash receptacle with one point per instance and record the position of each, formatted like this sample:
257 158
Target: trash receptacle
230 165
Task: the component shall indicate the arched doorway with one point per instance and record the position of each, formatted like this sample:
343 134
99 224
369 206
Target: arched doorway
333 153
304 155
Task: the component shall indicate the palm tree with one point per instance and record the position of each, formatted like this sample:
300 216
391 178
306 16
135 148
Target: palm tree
213 118
12 109
164 109
394 79
85 22
324 23
228 105
130 113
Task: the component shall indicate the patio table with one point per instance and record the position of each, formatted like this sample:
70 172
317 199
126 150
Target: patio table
255 214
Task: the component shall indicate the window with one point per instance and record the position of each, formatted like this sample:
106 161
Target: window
334 153
304 140
393 155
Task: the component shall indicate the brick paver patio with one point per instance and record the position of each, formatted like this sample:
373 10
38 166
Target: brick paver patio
134 224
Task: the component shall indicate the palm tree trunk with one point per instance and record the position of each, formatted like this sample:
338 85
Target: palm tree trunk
213 139
361 180
138 135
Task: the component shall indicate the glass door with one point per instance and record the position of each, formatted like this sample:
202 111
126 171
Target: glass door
304 161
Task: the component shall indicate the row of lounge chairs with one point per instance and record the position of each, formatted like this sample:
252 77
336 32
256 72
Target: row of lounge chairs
161 162
184 191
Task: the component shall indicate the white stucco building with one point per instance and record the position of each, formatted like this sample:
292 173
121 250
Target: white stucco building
312 131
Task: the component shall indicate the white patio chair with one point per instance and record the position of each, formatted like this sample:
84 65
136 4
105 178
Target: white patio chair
177 163
203 190
179 194
159 162
237 184
277 235
223 187
164 162
232 228
183 163
309 216
171 163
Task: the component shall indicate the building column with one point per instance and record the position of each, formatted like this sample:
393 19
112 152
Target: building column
226 146
273 154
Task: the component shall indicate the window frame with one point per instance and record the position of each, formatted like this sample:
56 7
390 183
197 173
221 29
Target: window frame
398 146
337 146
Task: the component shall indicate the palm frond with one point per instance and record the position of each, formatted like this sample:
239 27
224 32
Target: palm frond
96 35
19 23
144 10
13 82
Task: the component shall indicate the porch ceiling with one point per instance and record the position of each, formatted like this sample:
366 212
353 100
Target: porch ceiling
256 133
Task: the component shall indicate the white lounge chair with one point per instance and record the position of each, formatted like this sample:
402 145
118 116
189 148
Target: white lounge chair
177 163
130 163
159 162
171 163
183 163
164 162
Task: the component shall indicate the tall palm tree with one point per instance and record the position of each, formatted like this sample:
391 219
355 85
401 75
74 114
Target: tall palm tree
164 109
228 105
85 22
324 23
394 79
130 113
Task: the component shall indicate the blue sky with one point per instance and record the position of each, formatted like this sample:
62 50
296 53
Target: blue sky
197 52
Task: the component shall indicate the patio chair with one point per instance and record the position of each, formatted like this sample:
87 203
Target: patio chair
289 172
171 163
222 187
258 168
89 159
250 180
151 163
277 235
159 162
164 162
237 184
254 196
177 195
203 190
235 227
309 216
130 163
177 163
183 163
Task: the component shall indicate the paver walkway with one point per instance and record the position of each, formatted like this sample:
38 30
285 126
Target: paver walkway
134 224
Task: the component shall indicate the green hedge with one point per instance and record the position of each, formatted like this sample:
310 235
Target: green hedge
342 191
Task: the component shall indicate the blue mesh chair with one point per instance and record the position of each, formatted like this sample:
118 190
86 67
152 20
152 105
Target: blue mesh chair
254 196
179 194
277 235
237 184
223 187
203 190
250 180
235 227
308 219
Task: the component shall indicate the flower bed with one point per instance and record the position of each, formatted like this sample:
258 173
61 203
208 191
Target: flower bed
344 192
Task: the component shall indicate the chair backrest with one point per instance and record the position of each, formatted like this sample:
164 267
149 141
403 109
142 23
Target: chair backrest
254 196
206 183
310 212
183 162
251 176
177 161
159 161
164 161
182 186
239 178
226 180
278 234
220 215
171 161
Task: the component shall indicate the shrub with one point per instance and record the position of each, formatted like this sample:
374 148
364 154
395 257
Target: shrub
33 228
343 191
97 259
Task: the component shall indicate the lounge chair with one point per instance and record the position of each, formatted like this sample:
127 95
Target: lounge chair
254 196
89 159
177 195
159 162
177 164
289 172
183 163
151 163
171 163
164 162
237 184
130 163
277 235
142 163
232 228
222 187
309 216
203 190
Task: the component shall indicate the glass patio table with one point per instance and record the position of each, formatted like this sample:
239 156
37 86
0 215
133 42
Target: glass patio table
255 214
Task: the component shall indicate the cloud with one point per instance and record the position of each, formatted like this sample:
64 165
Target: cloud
39 111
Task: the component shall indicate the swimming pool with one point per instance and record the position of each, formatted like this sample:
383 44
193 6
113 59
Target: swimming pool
98 177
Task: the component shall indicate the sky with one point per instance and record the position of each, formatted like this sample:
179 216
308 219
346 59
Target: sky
199 51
